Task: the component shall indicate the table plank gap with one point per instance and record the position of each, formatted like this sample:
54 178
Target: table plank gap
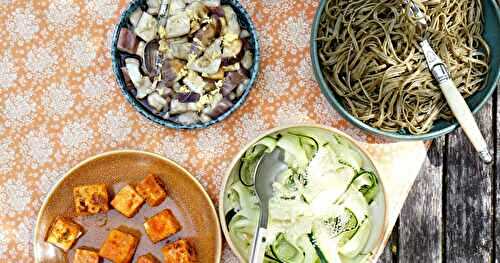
391 251
496 184
421 228
468 197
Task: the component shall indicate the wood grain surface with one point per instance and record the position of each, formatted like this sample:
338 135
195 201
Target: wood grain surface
452 213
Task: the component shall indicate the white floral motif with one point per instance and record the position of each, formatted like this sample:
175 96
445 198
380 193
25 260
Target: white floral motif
115 126
14 197
277 6
58 99
292 113
81 51
77 136
40 62
7 156
305 73
23 236
251 125
324 111
62 14
8 74
212 142
18 109
22 24
96 88
276 81
4 242
294 33
102 9
37 148
174 147
5 2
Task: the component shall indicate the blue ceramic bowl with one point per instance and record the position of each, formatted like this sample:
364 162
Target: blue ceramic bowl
441 127
245 22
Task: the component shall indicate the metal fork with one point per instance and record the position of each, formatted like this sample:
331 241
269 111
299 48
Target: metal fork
455 100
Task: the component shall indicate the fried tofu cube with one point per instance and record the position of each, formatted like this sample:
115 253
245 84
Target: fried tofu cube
84 255
152 189
91 199
148 258
179 252
127 201
119 246
64 232
162 225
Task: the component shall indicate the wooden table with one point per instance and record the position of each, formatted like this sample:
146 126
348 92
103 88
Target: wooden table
452 213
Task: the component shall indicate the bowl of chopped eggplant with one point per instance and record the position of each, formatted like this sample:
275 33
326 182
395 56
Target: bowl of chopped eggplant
191 71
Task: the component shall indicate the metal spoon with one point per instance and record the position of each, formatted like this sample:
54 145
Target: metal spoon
455 100
268 168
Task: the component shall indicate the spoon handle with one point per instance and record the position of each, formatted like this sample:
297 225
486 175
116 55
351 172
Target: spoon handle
464 116
259 246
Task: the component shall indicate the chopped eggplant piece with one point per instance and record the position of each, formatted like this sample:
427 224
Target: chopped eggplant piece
231 96
232 80
205 118
232 48
220 107
126 78
244 33
177 107
153 6
157 101
147 27
180 50
217 11
206 34
188 97
127 41
172 69
142 84
244 71
211 3
195 82
197 11
210 62
234 67
140 50
163 90
233 26
247 60
177 6
217 76
186 118
178 25
241 88
135 17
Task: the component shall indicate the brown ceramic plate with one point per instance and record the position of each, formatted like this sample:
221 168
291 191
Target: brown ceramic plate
186 198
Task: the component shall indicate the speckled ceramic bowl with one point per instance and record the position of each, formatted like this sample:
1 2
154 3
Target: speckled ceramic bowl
441 127
375 242
186 198
245 22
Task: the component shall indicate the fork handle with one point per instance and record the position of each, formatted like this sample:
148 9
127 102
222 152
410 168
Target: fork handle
464 116
259 246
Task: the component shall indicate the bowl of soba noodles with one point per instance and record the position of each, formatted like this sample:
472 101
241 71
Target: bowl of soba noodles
367 59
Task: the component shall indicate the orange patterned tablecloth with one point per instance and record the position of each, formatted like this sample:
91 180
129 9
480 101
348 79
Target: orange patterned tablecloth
59 104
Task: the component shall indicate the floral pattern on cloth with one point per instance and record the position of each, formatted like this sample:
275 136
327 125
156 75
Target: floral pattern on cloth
60 104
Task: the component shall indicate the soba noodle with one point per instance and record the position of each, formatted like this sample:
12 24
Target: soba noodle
370 54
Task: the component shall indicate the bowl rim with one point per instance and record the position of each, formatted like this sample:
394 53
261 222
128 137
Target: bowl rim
213 211
236 159
330 95
134 4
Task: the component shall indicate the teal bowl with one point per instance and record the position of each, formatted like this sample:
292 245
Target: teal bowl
441 127
245 22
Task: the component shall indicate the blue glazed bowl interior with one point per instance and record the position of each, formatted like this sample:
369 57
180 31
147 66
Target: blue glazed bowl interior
441 127
245 23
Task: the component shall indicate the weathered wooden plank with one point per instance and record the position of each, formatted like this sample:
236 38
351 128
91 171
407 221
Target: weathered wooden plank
468 203
496 173
421 226
390 254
